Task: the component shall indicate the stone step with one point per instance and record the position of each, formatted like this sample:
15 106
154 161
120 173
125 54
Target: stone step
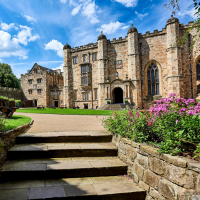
62 168
92 188
65 137
119 106
61 150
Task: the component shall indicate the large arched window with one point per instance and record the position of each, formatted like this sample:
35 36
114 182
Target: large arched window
153 79
198 69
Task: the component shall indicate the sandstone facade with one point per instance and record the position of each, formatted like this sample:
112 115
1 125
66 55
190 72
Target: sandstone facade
43 86
139 68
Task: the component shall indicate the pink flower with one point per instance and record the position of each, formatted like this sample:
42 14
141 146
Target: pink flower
149 123
130 113
176 121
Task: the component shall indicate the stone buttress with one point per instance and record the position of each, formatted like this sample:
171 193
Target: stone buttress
133 65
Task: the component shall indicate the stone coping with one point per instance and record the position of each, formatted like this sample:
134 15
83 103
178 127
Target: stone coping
8 138
175 160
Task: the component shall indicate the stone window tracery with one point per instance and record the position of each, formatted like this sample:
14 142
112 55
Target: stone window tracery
94 56
85 96
75 94
75 60
39 80
84 58
85 75
39 91
198 69
153 79
96 94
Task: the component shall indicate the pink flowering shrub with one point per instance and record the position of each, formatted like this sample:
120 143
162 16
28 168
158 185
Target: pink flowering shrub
173 124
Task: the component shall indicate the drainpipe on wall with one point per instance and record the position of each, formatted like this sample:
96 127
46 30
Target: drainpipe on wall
189 45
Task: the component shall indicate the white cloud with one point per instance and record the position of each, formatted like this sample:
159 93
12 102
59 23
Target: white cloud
94 20
29 19
128 3
191 13
7 27
112 27
10 47
76 10
141 15
63 1
125 27
25 35
87 8
55 46
60 67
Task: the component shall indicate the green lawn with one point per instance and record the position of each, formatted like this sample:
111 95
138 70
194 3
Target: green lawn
67 111
15 121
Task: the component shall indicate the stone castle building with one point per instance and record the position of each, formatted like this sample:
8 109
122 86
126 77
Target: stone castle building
43 86
139 68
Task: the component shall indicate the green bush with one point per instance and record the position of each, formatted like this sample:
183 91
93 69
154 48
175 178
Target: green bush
17 102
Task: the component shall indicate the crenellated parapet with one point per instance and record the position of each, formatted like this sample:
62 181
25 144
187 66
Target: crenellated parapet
85 47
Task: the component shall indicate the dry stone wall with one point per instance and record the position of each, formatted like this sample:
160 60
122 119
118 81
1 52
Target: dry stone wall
164 177
8 138
11 93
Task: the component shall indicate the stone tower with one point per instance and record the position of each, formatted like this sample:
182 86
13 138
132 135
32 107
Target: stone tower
134 65
68 78
102 57
174 64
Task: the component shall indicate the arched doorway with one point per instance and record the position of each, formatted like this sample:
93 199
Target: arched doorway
118 95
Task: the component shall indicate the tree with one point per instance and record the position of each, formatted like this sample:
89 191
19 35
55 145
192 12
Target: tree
7 78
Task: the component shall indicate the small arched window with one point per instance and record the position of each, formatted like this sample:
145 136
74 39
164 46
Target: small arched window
153 79
198 69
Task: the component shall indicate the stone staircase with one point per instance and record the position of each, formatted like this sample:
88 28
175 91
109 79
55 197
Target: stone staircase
66 165
116 106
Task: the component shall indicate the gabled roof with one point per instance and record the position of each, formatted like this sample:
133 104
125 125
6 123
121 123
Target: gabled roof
43 68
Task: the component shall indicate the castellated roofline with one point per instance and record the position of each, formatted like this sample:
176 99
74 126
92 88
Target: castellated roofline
140 35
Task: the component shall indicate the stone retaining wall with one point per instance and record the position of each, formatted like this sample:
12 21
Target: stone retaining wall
11 93
164 177
8 139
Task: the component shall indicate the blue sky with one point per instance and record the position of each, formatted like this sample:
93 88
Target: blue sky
36 30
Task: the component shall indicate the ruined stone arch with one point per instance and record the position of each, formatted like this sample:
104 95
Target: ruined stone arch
146 78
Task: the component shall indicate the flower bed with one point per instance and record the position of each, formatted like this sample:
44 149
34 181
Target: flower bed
172 125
